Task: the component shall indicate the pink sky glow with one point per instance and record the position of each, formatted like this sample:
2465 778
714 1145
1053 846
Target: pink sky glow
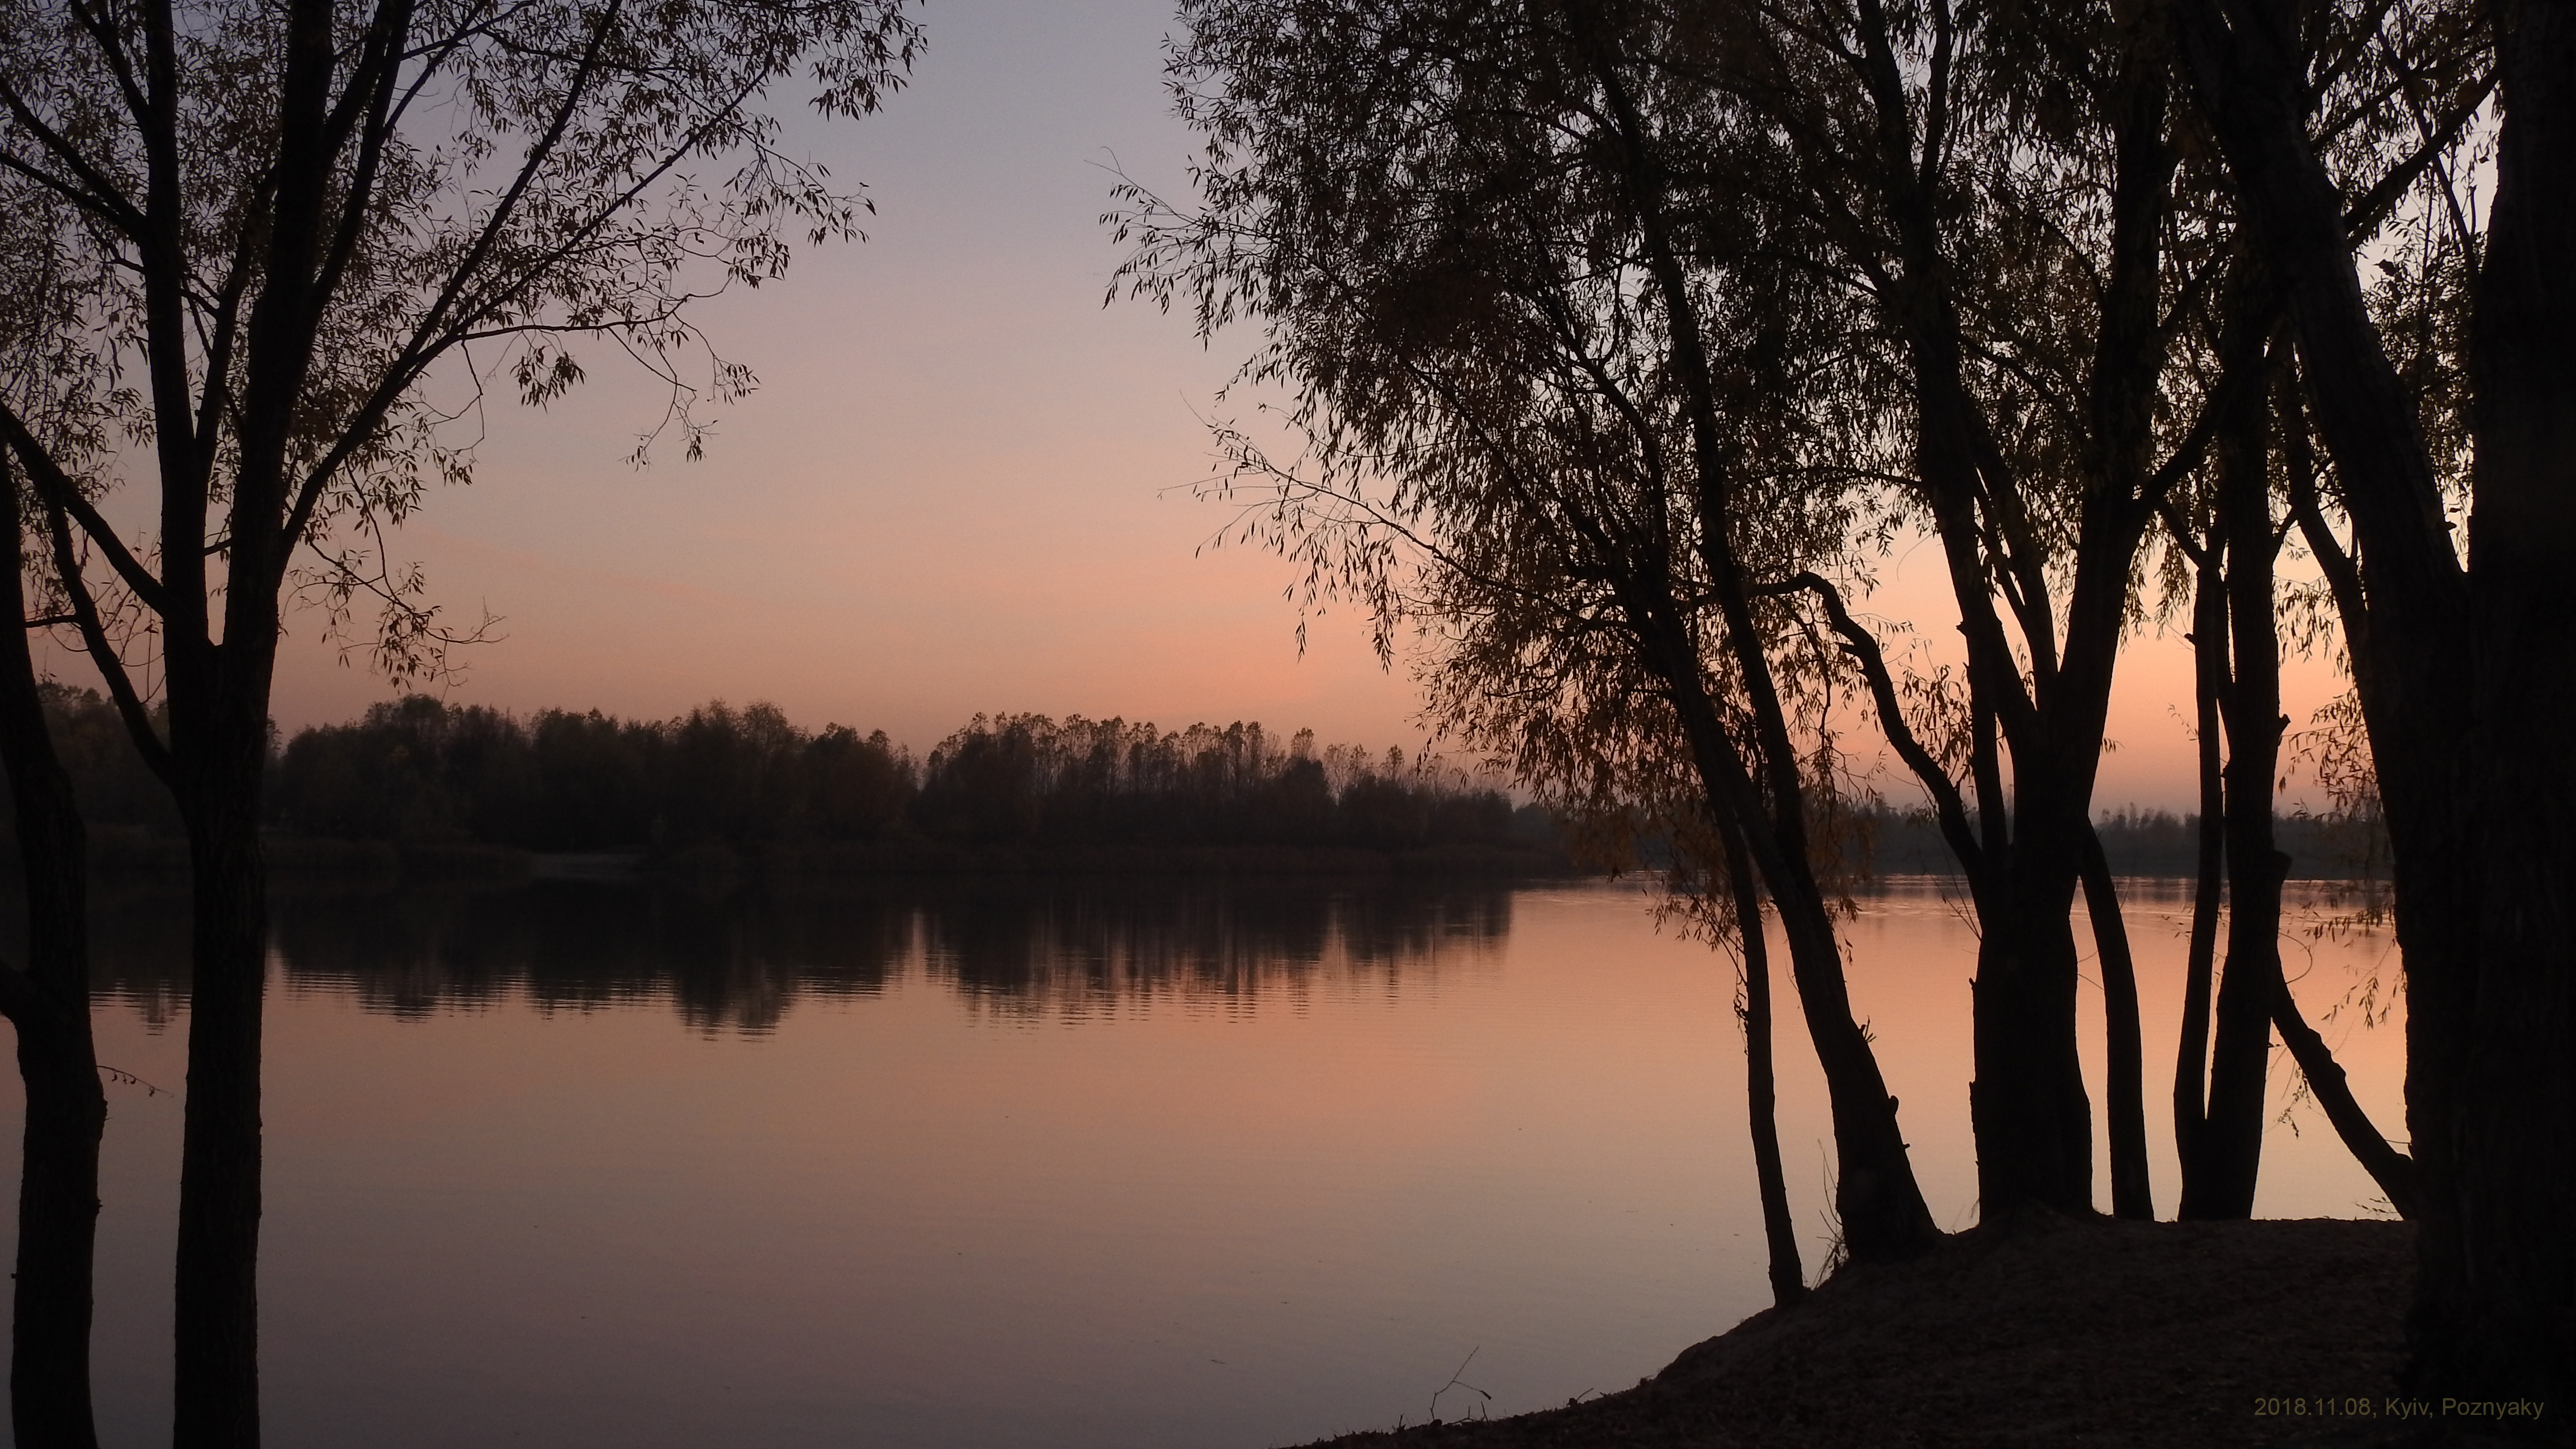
963 484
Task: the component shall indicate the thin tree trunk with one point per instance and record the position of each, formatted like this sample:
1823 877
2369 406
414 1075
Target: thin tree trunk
1877 1195
2124 1050
2209 681
48 1002
2229 1147
1788 1276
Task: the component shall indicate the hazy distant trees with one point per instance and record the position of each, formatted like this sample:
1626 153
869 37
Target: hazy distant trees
422 771
1026 778
418 770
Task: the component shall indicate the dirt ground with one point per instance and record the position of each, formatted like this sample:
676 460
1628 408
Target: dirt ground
2060 1333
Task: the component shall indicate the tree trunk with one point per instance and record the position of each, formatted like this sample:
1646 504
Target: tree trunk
2209 681
1788 1276
1763 803
2219 1181
49 1376
48 1002
217 1324
2228 1150
2124 1051
2414 665
2027 1104
1876 1196
2507 1328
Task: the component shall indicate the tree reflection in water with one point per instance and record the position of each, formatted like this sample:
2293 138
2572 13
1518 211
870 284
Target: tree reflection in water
739 959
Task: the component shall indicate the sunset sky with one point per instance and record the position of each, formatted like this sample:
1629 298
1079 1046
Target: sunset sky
963 484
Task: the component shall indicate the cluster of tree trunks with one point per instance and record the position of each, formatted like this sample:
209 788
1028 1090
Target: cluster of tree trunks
2220 324
2466 673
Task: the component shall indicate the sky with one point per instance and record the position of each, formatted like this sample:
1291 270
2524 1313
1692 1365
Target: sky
964 484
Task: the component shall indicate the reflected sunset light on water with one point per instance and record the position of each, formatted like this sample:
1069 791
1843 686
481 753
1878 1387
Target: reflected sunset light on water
980 1163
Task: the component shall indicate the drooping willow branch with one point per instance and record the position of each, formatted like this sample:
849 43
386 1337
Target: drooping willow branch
1862 646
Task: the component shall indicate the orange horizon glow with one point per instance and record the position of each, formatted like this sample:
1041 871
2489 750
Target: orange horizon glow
964 484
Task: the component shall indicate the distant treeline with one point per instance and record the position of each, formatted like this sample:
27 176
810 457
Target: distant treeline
418 771
2141 842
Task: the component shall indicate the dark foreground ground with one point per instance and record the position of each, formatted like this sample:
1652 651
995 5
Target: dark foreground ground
2152 1335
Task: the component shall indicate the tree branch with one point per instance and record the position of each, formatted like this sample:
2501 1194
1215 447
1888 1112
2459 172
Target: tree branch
61 493
1863 647
2393 1170
102 651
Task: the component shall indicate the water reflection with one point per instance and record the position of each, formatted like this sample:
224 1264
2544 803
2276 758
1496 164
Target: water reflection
739 961
1077 952
833 1171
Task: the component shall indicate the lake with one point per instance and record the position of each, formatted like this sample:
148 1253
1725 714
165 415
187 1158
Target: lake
1067 1164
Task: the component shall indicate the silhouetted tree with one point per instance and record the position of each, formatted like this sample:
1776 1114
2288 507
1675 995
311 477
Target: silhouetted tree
2231 543
2466 672
1627 321
1470 236
1030 779
293 222
594 782
46 1000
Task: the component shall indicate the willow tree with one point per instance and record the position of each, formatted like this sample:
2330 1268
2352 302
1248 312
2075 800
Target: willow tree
1552 421
2062 311
309 234
2465 668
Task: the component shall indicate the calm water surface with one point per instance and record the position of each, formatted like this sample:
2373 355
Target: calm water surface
997 1165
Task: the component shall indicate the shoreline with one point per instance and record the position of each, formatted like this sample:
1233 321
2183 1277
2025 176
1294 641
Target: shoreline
2124 1335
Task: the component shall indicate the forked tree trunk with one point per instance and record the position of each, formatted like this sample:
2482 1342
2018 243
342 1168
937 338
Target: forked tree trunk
1876 1196
48 1003
1788 1275
2028 1105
